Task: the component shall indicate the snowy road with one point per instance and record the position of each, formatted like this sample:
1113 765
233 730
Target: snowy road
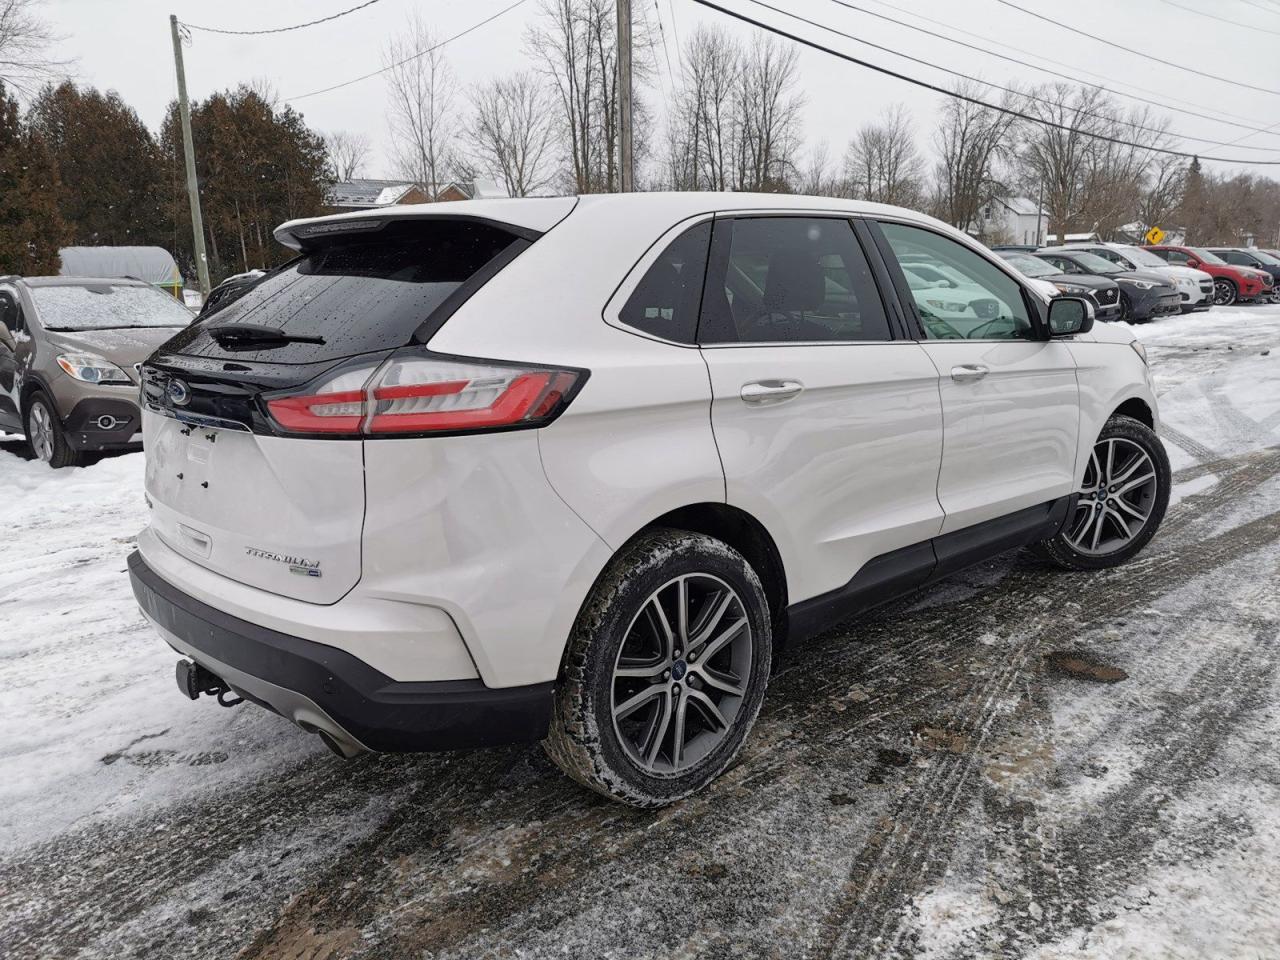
1018 763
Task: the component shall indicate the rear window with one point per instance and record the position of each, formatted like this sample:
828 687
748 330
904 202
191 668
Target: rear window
360 294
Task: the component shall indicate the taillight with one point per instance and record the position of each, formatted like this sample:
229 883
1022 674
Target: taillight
415 392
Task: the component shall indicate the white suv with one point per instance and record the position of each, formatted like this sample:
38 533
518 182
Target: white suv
571 470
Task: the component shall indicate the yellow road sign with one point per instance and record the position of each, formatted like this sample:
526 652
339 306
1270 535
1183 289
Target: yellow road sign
1154 236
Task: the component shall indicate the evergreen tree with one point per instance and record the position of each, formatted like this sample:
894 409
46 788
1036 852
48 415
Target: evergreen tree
258 167
109 164
31 228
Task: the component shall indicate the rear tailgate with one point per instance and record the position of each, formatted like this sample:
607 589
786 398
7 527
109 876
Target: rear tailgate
229 490
282 514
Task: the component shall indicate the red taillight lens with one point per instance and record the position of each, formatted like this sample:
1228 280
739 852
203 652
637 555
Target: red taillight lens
414 392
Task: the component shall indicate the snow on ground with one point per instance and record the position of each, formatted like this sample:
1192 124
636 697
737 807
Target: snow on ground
1016 763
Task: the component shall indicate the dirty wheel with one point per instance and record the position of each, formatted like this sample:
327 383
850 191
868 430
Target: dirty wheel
1121 502
45 436
665 671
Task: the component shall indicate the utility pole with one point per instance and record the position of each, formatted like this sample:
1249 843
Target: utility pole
189 151
1039 212
626 155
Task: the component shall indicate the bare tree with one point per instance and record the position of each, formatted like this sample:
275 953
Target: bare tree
347 153
883 163
575 46
971 141
25 38
422 92
1163 192
768 115
511 133
706 107
1118 173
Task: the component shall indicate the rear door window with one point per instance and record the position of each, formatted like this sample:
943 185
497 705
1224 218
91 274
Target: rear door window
665 302
791 279
356 294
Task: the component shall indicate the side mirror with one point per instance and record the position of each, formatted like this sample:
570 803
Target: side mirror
1069 316
6 337
1193 263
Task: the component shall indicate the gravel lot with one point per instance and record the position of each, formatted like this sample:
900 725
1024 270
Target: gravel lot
1017 763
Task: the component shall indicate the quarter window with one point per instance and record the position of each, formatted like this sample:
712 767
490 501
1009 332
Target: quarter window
958 294
665 302
791 280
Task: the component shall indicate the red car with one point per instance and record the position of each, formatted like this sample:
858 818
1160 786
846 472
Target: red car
1230 283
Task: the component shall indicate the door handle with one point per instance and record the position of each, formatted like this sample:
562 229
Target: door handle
968 372
760 393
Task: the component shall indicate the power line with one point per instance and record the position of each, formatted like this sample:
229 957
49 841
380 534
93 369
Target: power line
296 26
663 33
1064 76
1223 20
952 93
415 56
1137 53
995 86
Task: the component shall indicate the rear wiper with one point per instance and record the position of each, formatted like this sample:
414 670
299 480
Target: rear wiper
253 333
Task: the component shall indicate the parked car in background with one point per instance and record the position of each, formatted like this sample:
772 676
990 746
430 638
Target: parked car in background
70 349
1249 257
1104 292
1144 294
433 485
230 290
1194 286
1230 283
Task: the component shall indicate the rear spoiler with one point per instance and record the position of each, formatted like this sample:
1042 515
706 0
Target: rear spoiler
527 218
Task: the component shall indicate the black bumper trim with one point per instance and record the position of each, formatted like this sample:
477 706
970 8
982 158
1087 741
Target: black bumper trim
381 713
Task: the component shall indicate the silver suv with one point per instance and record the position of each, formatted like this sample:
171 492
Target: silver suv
70 349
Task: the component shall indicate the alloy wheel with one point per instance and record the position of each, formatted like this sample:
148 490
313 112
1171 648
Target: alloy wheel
1116 499
41 425
681 674
1224 293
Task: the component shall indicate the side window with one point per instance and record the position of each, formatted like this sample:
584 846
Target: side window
1173 256
10 310
985 303
1239 259
665 302
790 280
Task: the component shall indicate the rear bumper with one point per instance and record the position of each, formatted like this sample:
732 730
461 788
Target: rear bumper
322 688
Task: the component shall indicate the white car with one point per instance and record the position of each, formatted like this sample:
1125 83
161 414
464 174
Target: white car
1194 286
571 470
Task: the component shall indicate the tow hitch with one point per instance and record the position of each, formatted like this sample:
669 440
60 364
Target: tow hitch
193 680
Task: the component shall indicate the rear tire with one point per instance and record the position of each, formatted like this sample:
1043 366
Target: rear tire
45 435
1122 501
637 675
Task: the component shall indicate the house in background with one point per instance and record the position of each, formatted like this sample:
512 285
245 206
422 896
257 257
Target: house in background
374 194
473 190
1012 220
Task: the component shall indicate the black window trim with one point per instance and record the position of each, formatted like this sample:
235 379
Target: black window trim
1035 310
718 254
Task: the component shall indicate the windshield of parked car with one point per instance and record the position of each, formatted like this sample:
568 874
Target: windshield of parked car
1032 267
1206 256
106 306
1092 263
1141 258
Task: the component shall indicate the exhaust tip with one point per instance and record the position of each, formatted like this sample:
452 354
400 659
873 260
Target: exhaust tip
345 751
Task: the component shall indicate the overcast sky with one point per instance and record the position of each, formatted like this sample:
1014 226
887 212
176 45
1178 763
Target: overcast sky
124 45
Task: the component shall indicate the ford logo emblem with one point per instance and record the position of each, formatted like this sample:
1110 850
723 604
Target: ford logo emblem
179 393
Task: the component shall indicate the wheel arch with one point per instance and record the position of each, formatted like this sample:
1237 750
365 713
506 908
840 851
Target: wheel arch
744 533
1136 409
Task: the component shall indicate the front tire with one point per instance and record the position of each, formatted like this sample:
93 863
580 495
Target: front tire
45 435
1121 503
665 670
1224 292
